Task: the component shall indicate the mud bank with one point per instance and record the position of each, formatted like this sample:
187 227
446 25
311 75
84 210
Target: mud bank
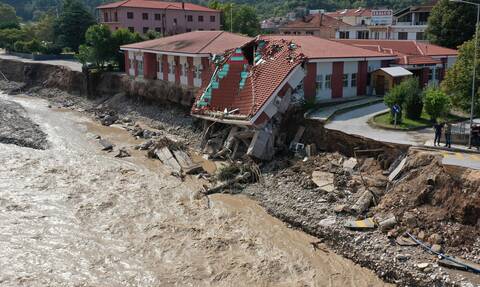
79 216
93 85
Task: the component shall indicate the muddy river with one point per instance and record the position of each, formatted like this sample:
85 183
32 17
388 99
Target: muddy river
73 215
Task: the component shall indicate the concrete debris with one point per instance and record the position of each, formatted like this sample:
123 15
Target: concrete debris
423 266
329 221
145 145
397 170
363 202
324 180
350 164
166 157
108 120
186 162
436 248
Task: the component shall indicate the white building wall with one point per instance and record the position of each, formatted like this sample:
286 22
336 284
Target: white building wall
171 72
374 65
197 81
131 57
350 68
159 67
184 74
324 92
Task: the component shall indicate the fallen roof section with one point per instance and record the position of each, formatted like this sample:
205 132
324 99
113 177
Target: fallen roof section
197 42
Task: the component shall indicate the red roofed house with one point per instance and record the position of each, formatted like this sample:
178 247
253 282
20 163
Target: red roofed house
167 18
255 84
183 59
426 61
320 25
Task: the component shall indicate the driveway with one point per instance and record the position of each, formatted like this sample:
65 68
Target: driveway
356 122
71 64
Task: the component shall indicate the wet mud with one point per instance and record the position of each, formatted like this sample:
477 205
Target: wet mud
72 215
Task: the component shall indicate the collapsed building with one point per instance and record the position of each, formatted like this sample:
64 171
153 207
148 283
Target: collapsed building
254 86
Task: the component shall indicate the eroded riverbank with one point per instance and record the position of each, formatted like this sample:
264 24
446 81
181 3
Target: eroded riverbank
72 215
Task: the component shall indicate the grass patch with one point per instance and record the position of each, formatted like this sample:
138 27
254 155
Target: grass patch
385 121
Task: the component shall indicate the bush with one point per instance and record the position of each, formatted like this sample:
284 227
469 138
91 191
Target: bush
437 103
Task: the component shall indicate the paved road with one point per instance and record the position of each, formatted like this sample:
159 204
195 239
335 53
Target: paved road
73 65
461 159
356 122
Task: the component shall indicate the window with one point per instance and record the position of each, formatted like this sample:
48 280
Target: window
159 65
309 33
420 36
158 17
175 21
345 80
190 18
115 16
212 18
145 16
140 68
158 29
197 71
180 71
362 34
105 17
328 82
344 35
430 74
201 29
130 15
286 33
438 72
376 35
200 18
319 82
353 80
145 30
402 35
131 29
189 29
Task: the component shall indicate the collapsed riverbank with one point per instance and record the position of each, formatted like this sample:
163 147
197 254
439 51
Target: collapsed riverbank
301 205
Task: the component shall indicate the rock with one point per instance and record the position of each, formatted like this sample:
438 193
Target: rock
350 164
402 257
363 203
145 145
436 248
388 223
323 180
435 238
329 221
122 153
421 235
339 208
107 146
423 266
109 120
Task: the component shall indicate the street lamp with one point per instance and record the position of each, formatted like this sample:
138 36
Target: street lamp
474 66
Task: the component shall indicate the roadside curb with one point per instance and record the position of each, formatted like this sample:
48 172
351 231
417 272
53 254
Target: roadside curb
341 111
432 148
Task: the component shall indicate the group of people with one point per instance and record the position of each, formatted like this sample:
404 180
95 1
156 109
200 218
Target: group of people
475 130
438 134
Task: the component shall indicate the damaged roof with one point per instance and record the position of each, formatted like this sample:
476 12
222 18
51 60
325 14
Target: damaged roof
197 42
153 4
360 12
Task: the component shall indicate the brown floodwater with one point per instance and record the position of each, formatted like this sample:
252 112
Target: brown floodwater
73 215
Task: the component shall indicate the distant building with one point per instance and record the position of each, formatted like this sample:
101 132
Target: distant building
167 18
320 25
383 24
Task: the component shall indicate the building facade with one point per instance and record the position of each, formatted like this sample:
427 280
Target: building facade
184 59
320 25
167 18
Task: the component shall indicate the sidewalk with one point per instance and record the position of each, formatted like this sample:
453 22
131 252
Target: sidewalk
325 113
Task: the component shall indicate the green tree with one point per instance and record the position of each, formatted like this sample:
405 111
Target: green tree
437 103
44 28
98 47
450 24
413 102
241 19
71 25
8 37
398 95
122 37
458 80
8 17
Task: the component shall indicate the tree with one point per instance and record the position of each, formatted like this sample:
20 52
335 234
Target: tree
122 37
437 103
398 95
241 19
413 102
8 37
458 80
451 24
71 25
8 17
98 47
44 28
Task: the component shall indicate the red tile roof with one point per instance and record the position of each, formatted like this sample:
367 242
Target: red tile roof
198 42
403 46
319 48
316 21
153 4
360 12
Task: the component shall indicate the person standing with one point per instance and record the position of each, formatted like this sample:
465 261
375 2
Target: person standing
438 133
448 135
